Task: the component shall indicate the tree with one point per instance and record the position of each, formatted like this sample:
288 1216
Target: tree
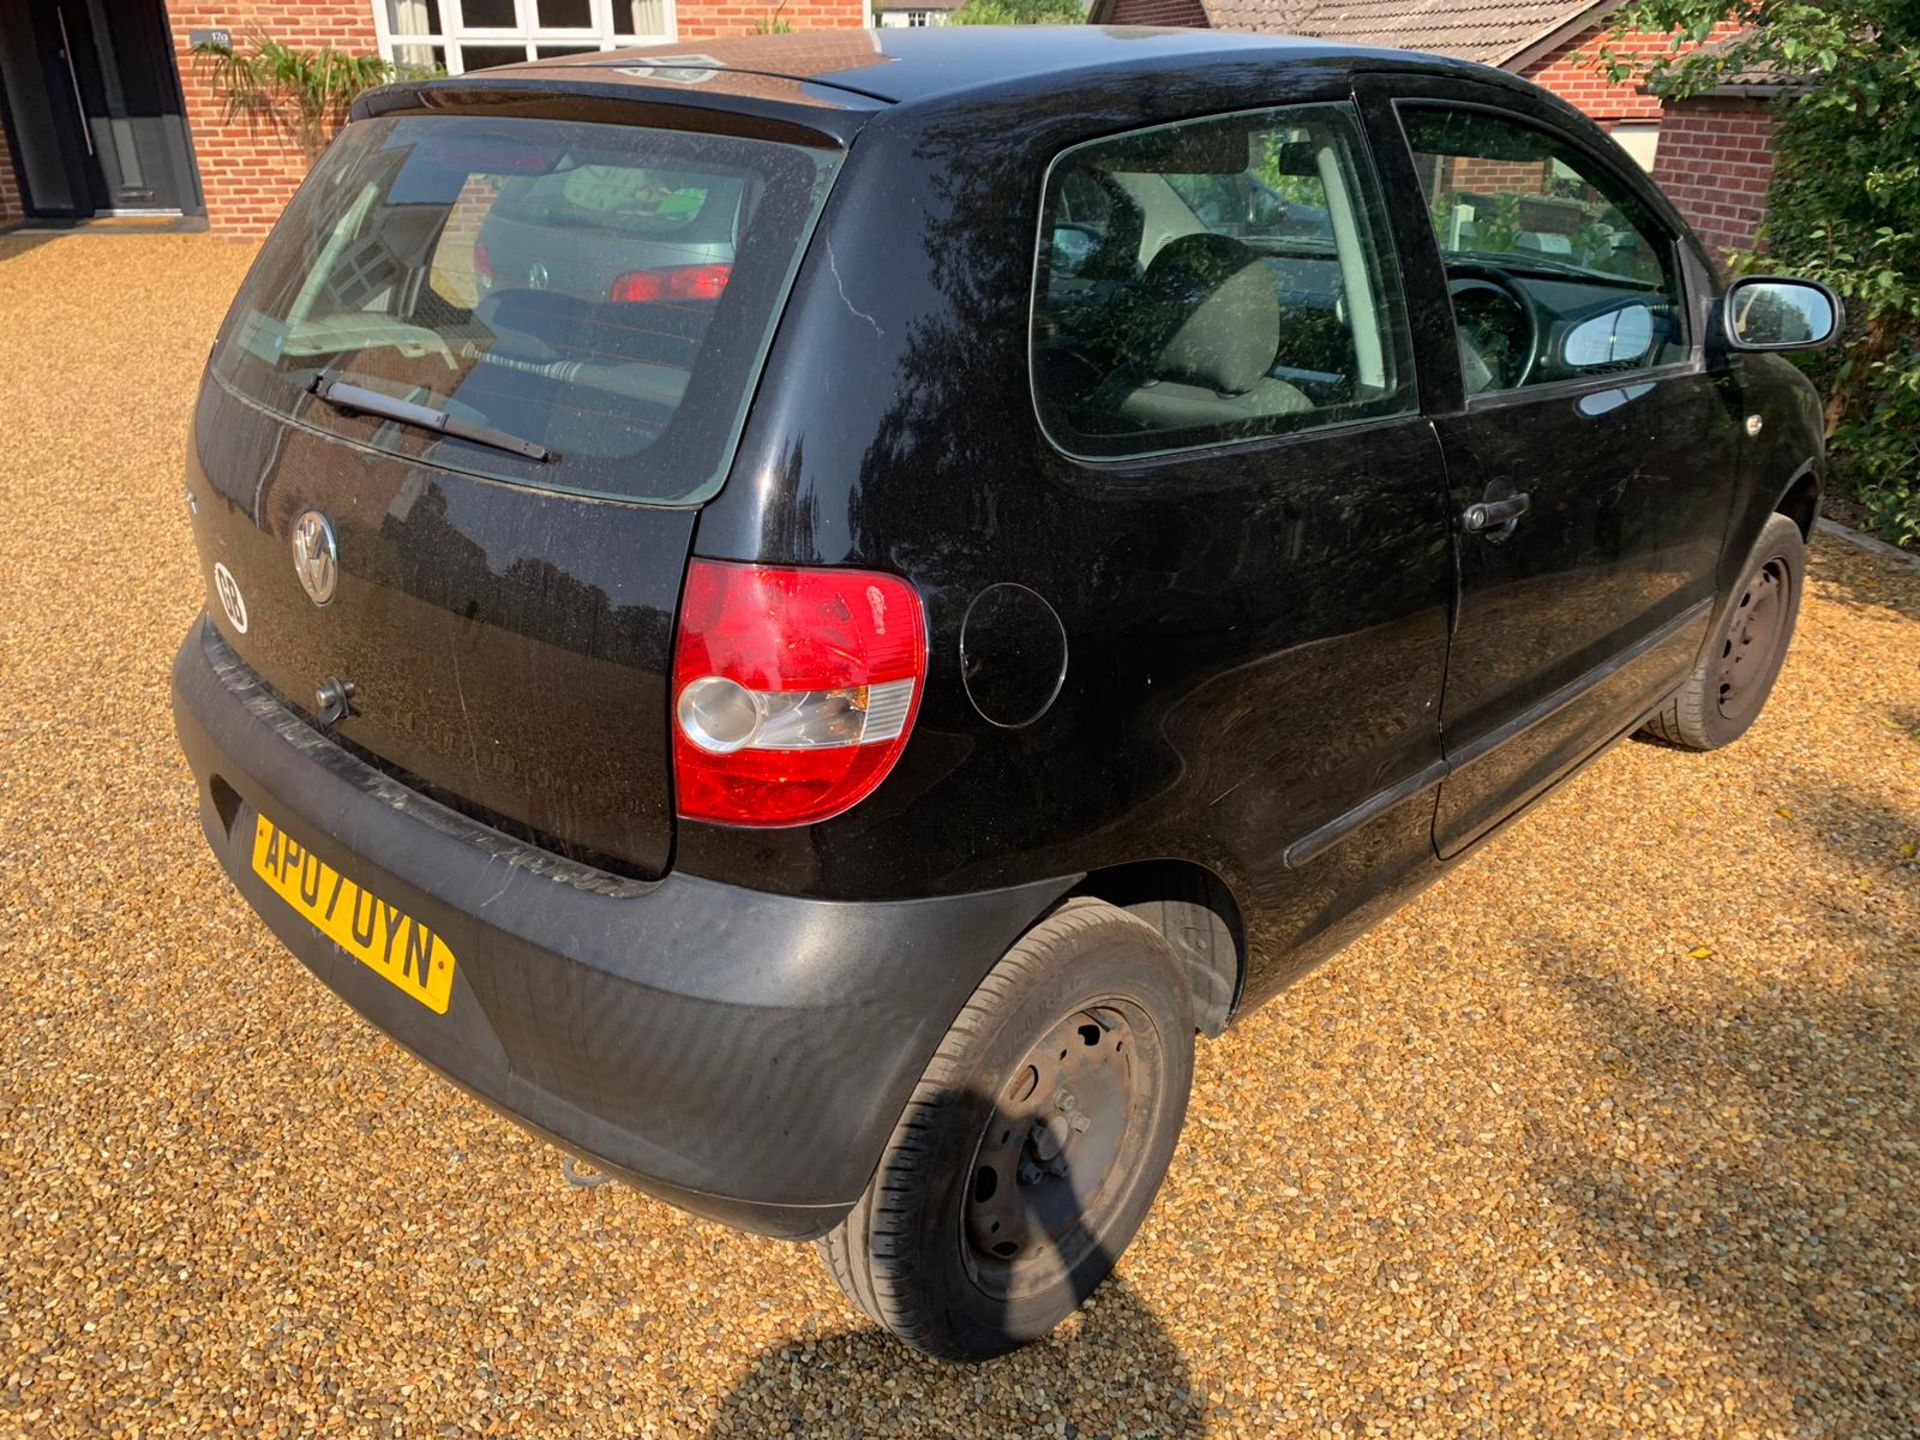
303 94
1020 12
1843 205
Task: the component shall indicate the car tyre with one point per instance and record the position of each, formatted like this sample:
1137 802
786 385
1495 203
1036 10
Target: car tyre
1730 685
1034 1144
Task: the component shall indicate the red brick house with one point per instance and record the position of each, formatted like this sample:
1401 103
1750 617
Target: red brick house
1550 42
101 113
1716 157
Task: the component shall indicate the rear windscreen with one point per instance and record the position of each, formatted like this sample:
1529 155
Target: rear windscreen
603 293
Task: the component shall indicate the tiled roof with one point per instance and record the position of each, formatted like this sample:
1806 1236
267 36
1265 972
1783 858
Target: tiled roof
1492 31
1263 17
1765 75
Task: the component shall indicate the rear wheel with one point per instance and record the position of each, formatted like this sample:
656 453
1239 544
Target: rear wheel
1033 1145
1730 685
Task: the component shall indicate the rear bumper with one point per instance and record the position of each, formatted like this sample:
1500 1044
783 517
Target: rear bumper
739 1054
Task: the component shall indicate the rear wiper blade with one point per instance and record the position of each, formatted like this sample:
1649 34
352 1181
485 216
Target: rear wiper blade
343 396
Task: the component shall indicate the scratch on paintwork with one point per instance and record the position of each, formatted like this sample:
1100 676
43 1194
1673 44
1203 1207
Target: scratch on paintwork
460 689
1226 792
834 265
501 891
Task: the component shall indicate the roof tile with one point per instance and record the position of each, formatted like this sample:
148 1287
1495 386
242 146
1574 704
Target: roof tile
1491 31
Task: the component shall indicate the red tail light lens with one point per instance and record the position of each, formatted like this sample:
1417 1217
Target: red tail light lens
679 282
793 690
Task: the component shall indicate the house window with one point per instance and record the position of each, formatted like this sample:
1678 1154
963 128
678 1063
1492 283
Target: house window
918 18
1638 140
461 35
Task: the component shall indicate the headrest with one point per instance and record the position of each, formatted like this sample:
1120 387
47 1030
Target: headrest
1217 311
1296 157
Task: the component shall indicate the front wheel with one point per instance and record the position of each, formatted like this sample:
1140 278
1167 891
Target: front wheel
1735 675
1033 1145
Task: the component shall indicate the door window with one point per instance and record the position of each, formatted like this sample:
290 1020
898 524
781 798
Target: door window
1557 269
1213 281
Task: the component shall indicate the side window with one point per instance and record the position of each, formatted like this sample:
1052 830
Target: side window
1212 281
1556 269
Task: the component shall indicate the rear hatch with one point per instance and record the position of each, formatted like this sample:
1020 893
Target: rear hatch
490 367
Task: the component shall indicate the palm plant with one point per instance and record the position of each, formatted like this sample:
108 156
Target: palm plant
303 94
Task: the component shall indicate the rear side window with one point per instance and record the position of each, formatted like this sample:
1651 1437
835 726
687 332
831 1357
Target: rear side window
1216 280
603 292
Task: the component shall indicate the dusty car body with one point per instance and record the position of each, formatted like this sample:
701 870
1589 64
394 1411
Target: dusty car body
1245 640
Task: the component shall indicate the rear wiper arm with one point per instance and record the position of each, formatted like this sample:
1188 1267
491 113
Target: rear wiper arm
343 396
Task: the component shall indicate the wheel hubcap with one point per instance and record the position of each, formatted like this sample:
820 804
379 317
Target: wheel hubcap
1752 642
1043 1174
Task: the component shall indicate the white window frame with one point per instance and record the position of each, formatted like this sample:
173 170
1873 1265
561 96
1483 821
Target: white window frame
528 33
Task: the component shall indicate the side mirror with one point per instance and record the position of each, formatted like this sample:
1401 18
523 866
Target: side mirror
1615 338
1762 312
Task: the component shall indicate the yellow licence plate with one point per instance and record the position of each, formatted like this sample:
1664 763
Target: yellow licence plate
395 946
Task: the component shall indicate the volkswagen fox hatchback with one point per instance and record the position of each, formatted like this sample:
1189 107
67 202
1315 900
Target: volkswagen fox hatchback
800 618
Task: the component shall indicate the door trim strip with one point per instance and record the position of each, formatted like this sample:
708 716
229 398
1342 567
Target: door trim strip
1317 842
1540 709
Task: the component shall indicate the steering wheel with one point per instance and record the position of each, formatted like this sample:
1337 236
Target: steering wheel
1498 328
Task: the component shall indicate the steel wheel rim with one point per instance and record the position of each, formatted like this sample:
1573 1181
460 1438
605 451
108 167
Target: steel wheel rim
1749 653
1066 1131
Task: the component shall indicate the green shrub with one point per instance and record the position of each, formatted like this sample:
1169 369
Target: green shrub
1843 205
304 94
1019 12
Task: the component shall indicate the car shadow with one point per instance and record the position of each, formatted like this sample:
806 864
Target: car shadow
1763 1170
1111 1369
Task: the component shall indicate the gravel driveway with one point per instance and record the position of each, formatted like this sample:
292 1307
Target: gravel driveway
1614 1132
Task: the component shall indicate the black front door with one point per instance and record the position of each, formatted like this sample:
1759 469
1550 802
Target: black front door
94 107
1590 454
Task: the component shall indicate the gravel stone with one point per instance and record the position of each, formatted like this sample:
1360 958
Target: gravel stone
1615 1132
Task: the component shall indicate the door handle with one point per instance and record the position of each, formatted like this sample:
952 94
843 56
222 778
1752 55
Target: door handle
1493 514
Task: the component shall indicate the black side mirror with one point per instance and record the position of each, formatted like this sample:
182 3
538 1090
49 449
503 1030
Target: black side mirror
1766 312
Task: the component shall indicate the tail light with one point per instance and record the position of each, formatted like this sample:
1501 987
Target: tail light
793 690
678 282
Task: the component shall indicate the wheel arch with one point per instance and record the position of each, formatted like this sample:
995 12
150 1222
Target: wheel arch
1800 500
1195 910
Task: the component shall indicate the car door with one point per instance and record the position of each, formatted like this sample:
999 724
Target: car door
1590 455
1259 562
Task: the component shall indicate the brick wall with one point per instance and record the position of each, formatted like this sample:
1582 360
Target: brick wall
1160 12
1716 157
1569 71
708 19
11 206
248 172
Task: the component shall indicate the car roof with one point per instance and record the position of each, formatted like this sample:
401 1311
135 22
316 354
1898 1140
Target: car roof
906 65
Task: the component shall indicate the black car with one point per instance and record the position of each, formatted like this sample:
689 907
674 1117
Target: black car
817 729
